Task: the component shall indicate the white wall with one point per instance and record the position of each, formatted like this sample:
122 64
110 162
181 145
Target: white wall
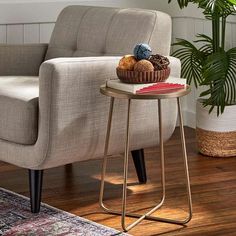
32 21
20 11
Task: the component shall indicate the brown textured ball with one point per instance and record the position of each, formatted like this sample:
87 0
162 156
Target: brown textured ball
143 66
159 62
127 62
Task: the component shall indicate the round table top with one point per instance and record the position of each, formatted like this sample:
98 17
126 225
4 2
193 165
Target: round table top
164 94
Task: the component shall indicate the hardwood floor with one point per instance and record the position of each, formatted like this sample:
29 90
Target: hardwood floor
76 188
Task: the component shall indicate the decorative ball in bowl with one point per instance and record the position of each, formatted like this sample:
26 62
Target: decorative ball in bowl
142 77
142 51
142 67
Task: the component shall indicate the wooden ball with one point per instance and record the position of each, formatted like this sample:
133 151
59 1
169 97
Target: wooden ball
144 66
127 62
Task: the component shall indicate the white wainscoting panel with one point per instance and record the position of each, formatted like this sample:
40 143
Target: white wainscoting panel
31 33
36 32
3 33
15 34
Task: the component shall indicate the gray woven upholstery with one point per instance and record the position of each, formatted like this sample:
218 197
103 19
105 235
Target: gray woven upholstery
19 109
21 59
98 31
72 114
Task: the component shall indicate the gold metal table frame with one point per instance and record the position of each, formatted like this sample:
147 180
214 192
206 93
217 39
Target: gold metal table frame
124 95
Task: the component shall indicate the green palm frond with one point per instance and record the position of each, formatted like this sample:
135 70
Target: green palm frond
232 1
207 42
216 8
211 7
182 3
216 5
219 74
203 38
193 58
208 63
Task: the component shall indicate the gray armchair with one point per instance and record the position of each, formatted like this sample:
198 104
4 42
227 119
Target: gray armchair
51 111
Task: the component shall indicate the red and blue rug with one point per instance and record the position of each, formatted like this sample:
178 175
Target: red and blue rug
16 219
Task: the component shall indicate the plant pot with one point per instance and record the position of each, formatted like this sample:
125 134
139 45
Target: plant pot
216 136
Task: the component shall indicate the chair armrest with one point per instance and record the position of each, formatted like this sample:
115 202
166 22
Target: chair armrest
68 99
175 66
21 59
73 113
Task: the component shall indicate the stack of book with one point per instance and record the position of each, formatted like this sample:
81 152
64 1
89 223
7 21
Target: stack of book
172 83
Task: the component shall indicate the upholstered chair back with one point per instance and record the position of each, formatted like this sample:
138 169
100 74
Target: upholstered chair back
98 31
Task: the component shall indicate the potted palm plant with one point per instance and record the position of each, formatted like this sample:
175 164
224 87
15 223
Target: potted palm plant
206 62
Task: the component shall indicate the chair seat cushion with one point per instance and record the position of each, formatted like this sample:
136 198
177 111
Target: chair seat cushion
19 109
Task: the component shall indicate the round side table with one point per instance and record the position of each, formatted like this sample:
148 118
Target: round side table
175 93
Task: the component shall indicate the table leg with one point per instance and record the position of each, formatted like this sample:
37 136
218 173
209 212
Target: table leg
141 217
185 159
184 154
162 155
104 166
124 196
126 166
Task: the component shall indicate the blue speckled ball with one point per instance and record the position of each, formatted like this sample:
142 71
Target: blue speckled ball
142 51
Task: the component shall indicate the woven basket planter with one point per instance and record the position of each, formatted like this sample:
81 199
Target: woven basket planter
134 77
216 136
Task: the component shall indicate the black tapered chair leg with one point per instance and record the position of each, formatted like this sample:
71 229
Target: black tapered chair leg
35 184
139 163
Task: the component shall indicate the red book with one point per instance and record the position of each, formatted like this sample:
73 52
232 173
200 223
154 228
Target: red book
160 87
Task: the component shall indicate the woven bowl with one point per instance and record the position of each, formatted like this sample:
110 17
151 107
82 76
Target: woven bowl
135 77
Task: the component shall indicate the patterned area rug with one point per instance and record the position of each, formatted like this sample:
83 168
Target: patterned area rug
16 219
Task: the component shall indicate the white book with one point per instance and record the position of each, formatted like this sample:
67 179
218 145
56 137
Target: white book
133 88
